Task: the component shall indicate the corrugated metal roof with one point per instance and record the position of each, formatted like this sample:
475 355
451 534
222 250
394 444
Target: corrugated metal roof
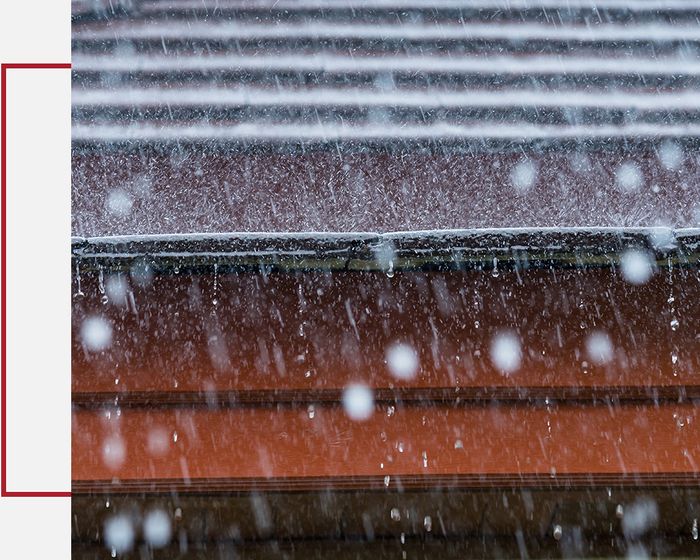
328 71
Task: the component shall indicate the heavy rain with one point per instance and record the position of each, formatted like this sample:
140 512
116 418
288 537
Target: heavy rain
385 279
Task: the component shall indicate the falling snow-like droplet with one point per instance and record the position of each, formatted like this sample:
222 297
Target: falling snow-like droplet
157 528
96 333
671 155
119 534
640 517
402 360
158 441
119 203
358 402
637 266
113 452
599 348
523 176
629 177
506 353
116 289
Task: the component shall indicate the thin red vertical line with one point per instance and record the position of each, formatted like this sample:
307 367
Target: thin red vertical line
3 280
3 302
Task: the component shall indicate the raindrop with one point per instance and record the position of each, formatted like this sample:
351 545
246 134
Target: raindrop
119 534
119 203
358 402
662 238
557 532
157 529
158 442
641 516
637 266
671 155
523 176
428 523
506 353
599 348
402 360
141 273
113 452
395 514
628 177
694 529
96 333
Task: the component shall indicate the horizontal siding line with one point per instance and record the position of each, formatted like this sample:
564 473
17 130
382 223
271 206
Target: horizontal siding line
365 97
436 64
265 131
510 32
326 5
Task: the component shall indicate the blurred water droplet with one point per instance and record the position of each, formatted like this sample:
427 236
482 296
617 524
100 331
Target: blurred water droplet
506 353
114 452
395 514
629 177
157 529
96 333
358 402
119 534
402 360
119 203
637 267
599 347
671 155
523 176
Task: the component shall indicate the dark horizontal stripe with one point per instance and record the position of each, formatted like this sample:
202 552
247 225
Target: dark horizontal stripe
291 77
276 116
427 483
519 248
444 396
281 46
